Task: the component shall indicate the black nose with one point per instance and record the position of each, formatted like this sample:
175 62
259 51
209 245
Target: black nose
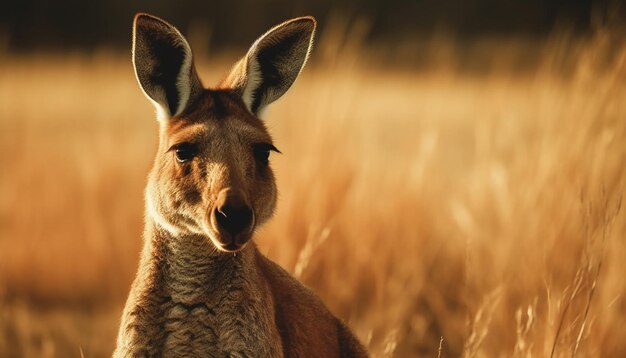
232 212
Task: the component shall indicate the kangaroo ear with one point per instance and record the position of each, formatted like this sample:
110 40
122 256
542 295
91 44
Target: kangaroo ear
273 63
164 65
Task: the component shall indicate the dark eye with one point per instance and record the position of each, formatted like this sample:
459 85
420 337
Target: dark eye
261 152
262 156
185 152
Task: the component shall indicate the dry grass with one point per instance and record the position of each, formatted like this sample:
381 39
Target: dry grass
440 212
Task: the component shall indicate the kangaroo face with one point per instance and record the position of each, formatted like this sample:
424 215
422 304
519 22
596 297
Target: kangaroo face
211 176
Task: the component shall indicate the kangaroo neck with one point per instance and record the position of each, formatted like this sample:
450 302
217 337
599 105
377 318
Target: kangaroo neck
191 270
220 299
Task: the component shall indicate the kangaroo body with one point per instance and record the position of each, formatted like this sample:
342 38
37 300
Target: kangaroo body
202 288
197 303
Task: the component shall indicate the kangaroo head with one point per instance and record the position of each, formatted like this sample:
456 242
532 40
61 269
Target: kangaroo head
211 175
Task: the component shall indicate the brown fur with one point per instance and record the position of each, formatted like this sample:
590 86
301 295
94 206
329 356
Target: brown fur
190 297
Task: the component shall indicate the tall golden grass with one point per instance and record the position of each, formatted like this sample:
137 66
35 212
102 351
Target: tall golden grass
439 211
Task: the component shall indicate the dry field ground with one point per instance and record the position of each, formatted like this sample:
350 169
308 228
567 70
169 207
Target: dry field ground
442 210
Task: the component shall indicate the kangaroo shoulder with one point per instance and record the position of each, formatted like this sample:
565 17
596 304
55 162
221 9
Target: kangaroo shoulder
304 321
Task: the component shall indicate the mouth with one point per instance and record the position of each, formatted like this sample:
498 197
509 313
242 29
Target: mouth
225 242
232 247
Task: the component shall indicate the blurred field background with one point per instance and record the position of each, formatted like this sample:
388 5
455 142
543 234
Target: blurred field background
446 196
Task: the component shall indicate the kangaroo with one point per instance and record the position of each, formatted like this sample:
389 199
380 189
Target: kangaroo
203 288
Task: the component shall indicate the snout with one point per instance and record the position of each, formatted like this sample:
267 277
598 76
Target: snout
233 219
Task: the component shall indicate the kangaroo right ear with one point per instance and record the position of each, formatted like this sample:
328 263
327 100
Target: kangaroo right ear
164 65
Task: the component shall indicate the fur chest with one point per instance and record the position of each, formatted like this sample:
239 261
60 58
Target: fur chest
217 308
235 325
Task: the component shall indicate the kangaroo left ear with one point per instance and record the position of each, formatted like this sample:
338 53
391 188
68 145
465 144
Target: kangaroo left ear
164 65
273 63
